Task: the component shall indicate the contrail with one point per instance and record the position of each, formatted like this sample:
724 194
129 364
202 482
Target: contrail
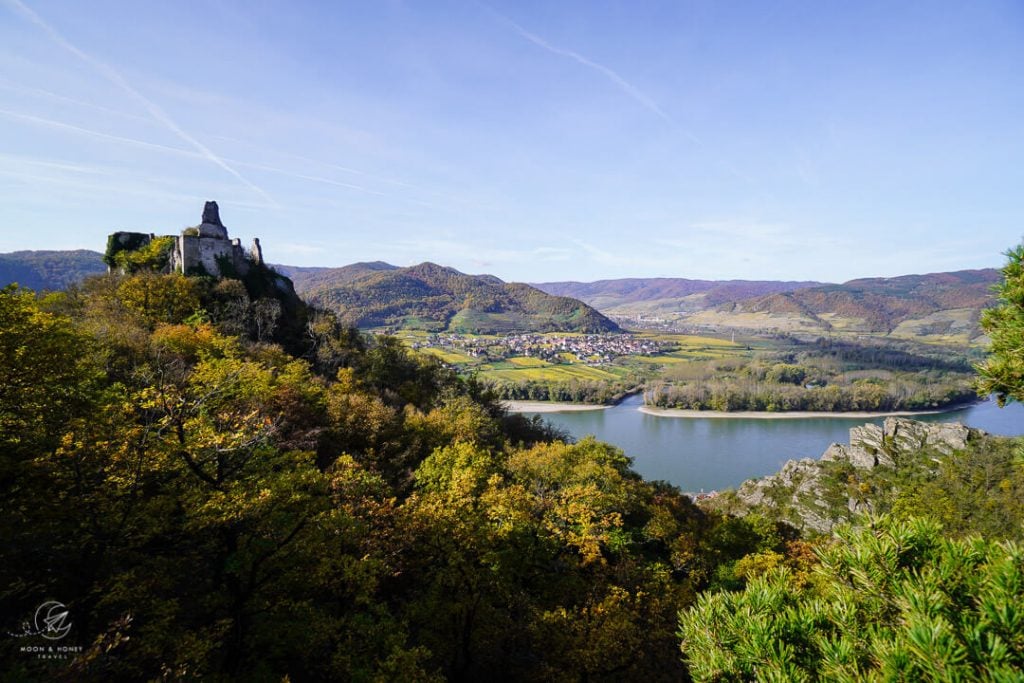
615 78
39 92
156 112
60 125
102 136
611 75
625 85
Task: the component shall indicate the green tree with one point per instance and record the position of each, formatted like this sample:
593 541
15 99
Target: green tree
891 600
1002 373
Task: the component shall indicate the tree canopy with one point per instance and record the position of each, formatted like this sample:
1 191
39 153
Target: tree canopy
890 600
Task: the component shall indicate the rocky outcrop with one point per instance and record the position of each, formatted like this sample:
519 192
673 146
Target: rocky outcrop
873 445
808 494
798 486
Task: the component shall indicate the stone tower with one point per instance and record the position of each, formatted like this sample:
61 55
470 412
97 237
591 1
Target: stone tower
207 248
211 225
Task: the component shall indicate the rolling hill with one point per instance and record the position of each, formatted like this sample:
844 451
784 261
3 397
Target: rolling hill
938 307
942 306
433 297
634 296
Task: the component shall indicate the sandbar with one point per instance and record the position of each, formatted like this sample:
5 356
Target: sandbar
549 407
791 415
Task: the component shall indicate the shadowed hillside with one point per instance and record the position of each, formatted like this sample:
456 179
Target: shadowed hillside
49 270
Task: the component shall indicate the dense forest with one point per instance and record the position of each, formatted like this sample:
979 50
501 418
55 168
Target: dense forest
600 392
226 498
221 483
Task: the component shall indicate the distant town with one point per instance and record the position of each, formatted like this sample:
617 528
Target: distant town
591 349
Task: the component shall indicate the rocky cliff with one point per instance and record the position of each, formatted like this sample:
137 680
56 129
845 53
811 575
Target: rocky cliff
815 495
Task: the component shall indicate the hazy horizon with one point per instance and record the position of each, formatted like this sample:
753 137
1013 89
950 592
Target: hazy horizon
536 142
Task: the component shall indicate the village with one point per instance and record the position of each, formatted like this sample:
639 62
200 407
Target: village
591 349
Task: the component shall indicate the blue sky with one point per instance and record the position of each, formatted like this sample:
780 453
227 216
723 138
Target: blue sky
533 140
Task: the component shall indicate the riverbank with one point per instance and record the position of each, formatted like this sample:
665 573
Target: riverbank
549 407
794 415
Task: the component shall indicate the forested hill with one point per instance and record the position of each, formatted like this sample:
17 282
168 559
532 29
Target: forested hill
429 296
935 304
631 294
49 270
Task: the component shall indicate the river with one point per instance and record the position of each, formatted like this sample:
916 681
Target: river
714 453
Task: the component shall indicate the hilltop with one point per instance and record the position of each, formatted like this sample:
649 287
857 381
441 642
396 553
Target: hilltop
318 277
432 297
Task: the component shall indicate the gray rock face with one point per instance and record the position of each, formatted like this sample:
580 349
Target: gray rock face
873 446
857 456
945 437
798 485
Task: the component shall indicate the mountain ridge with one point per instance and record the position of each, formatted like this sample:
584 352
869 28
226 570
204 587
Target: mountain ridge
942 306
616 292
930 304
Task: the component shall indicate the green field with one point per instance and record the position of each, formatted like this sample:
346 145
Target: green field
528 362
449 356
551 373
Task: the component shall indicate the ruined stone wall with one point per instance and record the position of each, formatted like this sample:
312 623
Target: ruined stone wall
192 251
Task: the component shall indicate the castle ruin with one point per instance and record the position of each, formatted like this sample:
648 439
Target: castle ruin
203 249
